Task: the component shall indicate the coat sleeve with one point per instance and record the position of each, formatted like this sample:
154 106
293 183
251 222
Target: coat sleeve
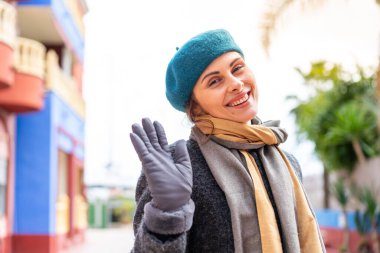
147 218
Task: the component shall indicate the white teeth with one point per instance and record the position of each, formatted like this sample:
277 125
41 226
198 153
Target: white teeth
240 101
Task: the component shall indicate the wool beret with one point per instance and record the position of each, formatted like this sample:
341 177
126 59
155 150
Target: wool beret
189 62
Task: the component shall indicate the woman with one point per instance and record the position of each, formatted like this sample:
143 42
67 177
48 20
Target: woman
229 188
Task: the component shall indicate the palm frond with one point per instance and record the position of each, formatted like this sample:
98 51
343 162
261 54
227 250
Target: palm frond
341 193
274 10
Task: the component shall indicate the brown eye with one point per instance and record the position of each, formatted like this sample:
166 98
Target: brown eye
237 68
213 82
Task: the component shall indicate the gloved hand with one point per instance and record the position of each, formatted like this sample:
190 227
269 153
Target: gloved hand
169 176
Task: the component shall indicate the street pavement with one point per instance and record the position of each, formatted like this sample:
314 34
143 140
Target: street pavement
117 239
114 240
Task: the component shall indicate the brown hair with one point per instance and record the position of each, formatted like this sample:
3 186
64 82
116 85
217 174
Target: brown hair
193 109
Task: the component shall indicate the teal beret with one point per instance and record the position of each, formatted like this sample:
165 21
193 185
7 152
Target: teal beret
189 62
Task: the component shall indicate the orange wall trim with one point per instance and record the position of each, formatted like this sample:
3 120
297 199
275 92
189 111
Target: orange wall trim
5 244
34 244
6 66
27 94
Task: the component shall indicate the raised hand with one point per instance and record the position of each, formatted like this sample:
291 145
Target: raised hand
169 175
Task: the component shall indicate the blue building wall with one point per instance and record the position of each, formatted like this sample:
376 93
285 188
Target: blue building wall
35 2
38 138
65 21
33 173
69 27
331 218
72 124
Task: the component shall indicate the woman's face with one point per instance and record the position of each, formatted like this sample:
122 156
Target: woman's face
227 89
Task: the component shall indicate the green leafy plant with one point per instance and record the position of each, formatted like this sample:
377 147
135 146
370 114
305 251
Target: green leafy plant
363 226
367 221
339 116
355 123
342 195
122 209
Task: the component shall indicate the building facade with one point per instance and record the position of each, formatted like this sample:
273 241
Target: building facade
42 202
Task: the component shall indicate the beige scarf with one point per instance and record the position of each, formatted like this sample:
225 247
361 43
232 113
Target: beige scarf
308 231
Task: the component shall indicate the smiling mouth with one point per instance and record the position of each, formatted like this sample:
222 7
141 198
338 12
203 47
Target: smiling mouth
240 101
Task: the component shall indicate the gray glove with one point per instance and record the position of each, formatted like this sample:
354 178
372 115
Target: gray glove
169 176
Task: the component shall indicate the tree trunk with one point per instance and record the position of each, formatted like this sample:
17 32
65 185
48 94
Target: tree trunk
326 187
358 150
378 96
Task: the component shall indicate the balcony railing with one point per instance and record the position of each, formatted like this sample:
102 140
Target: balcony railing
26 93
62 84
7 23
29 57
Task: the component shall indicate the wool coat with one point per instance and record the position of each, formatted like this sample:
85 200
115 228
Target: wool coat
211 229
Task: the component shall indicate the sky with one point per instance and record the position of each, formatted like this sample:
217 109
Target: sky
129 44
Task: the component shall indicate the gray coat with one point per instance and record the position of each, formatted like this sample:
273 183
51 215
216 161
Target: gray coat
211 230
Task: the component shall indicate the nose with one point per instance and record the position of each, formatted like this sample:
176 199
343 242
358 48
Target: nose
236 84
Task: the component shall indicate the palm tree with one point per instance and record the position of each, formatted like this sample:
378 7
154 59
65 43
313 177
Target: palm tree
277 8
339 118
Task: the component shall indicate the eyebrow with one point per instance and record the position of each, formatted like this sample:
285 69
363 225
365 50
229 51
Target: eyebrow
233 62
210 74
217 72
